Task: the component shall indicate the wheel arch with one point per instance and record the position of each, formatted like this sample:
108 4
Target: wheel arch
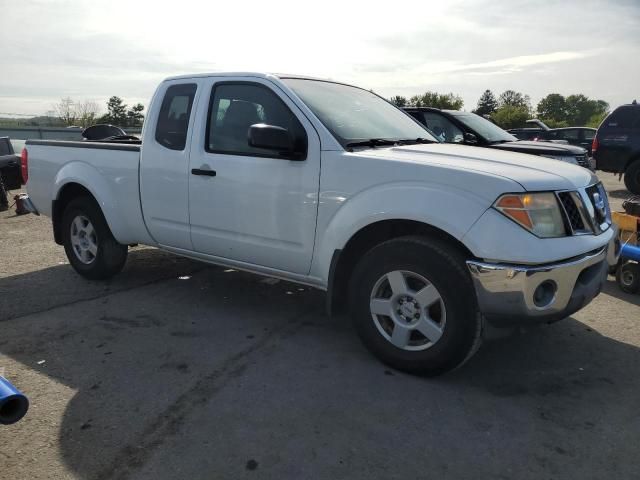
114 197
632 159
66 194
344 260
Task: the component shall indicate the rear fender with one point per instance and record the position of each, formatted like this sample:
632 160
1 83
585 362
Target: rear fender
91 179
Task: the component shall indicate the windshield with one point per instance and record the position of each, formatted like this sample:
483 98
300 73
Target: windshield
483 127
352 114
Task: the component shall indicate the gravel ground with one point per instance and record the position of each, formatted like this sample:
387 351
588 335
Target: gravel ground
175 369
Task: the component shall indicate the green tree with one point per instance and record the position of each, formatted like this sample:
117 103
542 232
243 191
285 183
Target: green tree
487 104
514 99
596 119
581 109
399 101
448 101
135 115
552 109
510 116
116 112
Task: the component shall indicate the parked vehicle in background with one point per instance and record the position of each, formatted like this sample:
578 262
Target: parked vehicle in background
578 136
329 185
529 133
453 126
525 133
10 175
9 165
616 146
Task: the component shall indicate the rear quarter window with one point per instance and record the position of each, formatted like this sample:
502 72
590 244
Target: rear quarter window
624 117
173 119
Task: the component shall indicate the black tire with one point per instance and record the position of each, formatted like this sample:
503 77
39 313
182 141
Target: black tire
632 177
111 255
628 277
444 267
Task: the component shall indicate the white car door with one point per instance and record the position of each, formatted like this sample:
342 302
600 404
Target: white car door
164 165
260 208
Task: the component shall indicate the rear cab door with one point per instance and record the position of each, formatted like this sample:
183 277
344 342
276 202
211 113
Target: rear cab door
164 163
260 208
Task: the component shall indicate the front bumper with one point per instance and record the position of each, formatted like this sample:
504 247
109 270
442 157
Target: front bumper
517 294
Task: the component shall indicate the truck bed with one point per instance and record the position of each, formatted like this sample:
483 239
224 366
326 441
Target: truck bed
108 170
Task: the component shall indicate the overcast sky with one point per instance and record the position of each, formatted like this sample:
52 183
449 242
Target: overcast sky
91 50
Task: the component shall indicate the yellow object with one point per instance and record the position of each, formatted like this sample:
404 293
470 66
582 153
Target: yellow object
628 225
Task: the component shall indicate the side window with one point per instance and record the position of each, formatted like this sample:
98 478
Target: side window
443 128
173 120
623 117
235 107
418 116
588 134
571 134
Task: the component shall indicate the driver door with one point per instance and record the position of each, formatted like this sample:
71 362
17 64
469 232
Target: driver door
260 208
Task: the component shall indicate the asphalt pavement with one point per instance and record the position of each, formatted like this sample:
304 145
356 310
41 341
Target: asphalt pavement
176 369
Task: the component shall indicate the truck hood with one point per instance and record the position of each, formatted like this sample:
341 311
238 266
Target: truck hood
540 148
532 172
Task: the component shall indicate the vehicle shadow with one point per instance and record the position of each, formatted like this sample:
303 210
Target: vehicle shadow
59 285
144 362
622 193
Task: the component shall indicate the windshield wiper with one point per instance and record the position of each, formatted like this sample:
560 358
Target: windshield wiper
372 142
413 141
383 142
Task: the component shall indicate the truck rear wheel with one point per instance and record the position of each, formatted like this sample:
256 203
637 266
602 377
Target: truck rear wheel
632 177
414 306
88 241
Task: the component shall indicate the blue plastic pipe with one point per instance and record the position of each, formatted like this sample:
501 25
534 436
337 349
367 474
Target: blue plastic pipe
13 404
630 252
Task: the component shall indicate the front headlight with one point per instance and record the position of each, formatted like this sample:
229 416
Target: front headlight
563 158
537 212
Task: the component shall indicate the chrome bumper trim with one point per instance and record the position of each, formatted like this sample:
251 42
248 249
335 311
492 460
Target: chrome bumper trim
508 290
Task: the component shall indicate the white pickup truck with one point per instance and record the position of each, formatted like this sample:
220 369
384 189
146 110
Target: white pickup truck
331 186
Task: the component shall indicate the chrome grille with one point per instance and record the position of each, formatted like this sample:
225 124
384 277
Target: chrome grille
600 205
572 212
586 211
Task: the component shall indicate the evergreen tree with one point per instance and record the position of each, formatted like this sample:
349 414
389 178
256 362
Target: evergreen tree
487 104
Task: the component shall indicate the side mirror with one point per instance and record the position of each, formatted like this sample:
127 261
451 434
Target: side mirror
272 137
470 138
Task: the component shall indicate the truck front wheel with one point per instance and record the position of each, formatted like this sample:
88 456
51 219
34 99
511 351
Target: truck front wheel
88 241
632 177
414 306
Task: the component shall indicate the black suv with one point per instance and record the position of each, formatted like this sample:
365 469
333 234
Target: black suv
616 146
10 175
453 126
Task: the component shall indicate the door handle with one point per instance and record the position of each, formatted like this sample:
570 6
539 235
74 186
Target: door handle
200 171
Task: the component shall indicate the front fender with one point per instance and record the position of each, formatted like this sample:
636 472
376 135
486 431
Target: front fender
450 209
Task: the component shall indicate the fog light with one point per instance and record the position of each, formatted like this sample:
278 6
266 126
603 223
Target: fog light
544 294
